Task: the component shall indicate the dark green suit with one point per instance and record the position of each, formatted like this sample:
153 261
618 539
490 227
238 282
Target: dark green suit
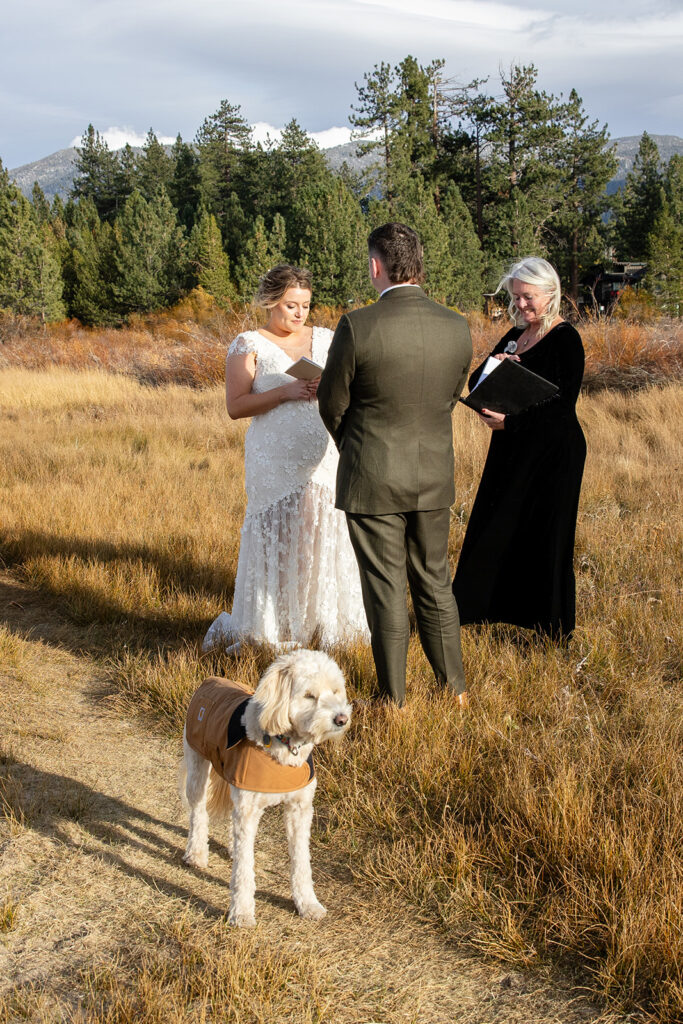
393 375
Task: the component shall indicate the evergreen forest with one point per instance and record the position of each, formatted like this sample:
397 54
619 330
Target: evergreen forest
485 172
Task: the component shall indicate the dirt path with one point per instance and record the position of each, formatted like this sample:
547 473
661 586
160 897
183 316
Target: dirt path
92 836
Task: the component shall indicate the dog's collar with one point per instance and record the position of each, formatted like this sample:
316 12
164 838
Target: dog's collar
285 740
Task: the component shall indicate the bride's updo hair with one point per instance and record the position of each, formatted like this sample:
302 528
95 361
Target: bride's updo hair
274 283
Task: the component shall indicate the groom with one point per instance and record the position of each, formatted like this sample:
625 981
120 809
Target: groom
393 375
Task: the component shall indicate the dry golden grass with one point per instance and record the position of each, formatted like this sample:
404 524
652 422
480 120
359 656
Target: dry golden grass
105 922
546 822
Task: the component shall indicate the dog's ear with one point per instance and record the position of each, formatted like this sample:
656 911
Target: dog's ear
273 695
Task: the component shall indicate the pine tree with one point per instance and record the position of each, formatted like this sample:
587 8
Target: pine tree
30 274
463 146
261 251
334 244
88 269
291 168
418 114
154 167
220 141
126 174
57 210
665 242
50 221
184 186
467 260
585 164
98 175
148 257
418 210
402 108
525 131
41 207
636 207
277 239
378 114
210 263
665 258
49 287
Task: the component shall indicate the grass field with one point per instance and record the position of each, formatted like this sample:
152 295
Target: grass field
547 822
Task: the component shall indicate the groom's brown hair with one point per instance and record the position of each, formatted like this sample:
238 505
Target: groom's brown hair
400 250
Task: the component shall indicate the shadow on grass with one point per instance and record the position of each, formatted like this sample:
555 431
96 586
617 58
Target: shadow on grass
116 832
49 617
89 606
175 570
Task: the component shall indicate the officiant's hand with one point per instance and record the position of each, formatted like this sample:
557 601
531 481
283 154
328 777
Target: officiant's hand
507 355
493 420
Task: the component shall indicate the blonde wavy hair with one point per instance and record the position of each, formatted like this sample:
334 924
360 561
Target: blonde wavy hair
537 271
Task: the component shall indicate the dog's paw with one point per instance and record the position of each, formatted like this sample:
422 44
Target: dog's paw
196 860
241 919
312 911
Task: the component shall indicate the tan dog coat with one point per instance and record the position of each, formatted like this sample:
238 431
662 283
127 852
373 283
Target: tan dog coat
213 729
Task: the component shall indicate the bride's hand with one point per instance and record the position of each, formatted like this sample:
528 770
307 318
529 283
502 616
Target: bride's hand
300 390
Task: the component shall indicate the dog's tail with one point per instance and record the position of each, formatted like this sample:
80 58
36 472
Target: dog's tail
218 802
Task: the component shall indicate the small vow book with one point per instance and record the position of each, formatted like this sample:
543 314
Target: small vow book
506 386
305 369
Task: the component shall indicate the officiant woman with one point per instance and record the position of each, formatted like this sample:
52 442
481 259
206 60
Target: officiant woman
516 562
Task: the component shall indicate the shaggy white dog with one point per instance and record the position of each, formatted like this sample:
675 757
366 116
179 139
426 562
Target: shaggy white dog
299 702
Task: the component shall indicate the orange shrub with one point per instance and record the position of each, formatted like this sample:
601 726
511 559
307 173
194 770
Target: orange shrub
186 344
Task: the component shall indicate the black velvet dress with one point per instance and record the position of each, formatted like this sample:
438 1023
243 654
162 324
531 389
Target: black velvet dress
516 562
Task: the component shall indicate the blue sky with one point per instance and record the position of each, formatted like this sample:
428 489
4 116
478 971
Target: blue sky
127 65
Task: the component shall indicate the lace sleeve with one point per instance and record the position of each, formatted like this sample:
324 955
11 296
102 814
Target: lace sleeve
242 346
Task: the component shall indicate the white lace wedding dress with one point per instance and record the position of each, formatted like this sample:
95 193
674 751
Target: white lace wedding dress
296 571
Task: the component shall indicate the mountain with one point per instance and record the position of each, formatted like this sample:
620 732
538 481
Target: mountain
627 148
55 173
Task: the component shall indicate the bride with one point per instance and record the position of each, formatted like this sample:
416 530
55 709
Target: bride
296 571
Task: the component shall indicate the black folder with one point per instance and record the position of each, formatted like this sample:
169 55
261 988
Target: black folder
509 388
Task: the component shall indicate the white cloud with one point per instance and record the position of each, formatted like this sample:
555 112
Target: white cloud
117 138
331 137
264 133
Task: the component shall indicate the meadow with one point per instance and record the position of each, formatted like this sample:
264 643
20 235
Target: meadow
544 824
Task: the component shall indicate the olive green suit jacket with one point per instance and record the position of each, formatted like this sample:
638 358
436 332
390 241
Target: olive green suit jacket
394 372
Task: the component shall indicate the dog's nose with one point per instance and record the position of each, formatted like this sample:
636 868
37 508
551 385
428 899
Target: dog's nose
341 719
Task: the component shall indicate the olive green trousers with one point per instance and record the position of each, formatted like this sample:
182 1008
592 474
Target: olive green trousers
392 550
